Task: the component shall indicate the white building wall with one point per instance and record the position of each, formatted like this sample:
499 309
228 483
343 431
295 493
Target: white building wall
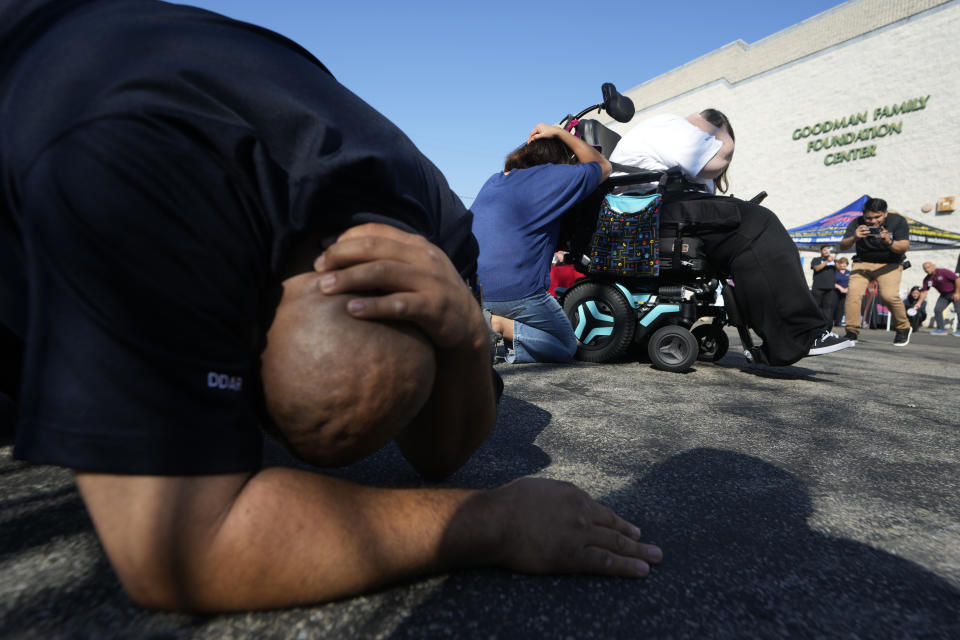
861 56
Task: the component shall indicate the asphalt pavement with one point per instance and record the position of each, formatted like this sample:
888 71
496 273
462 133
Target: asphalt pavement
820 500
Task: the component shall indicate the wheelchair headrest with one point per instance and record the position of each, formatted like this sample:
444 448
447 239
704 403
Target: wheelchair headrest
618 106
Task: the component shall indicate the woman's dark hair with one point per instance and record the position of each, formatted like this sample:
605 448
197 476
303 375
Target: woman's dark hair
874 204
912 289
719 120
539 151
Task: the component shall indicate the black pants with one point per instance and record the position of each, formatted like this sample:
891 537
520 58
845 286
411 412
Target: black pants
839 312
750 244
826 300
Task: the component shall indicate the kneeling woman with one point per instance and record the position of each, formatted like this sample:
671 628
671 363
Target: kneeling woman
517 221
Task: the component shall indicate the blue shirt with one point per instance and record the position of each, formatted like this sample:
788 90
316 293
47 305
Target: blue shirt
517 221
843 278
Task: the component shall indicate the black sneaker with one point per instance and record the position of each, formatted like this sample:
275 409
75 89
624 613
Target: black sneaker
828 343
850 335
902 338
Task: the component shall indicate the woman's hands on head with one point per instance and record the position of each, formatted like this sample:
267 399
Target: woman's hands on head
546 131
583 151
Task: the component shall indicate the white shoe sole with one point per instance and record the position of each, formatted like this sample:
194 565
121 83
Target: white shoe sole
903 344
819 351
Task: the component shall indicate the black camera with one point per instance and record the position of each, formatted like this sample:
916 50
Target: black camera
875 231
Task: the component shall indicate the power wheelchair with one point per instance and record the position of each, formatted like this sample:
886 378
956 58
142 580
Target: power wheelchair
646 280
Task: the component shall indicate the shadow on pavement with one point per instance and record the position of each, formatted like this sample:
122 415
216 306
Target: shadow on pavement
41 518
739 561
7 420
790 372
508 453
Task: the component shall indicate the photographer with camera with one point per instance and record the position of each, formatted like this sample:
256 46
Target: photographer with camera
881 240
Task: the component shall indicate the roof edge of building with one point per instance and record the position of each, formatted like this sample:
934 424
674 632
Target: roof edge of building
739 60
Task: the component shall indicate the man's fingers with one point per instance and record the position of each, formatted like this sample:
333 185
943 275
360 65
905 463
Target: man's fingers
602 561
624 545
380 230
606 517
380 275
351 251
396 306
372 248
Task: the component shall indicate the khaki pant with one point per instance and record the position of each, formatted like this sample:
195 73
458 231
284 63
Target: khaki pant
888 278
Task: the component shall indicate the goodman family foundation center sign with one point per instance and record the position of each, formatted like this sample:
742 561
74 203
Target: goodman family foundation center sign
857 129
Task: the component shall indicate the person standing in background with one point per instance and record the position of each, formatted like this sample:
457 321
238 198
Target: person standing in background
881 239
945 282
842 281
824 287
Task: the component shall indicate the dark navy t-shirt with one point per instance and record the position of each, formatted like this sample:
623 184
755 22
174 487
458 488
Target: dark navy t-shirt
826 277
872 248
517 222
164 169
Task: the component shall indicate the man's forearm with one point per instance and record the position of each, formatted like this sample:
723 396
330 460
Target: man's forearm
279 538
847 242
296 537
457 417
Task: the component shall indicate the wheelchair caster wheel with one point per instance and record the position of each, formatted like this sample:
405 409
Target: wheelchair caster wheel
713 342
673 348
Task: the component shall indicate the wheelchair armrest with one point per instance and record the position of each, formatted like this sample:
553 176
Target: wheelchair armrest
638 178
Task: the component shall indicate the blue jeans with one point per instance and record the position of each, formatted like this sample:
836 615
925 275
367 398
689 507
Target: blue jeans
541 331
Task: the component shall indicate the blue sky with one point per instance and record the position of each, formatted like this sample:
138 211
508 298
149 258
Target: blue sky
468 80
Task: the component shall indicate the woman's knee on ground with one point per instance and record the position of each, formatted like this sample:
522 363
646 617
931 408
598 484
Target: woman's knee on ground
337 388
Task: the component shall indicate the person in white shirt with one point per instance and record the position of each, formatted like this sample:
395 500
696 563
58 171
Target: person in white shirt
700 144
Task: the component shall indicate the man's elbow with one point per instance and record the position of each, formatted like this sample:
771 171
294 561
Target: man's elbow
154 581
436 461
435 470
159 596
179 596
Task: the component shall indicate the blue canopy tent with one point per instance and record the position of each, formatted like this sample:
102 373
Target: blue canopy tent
829 231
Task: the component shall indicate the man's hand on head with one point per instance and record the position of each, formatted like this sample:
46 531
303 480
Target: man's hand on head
412 280
403 277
